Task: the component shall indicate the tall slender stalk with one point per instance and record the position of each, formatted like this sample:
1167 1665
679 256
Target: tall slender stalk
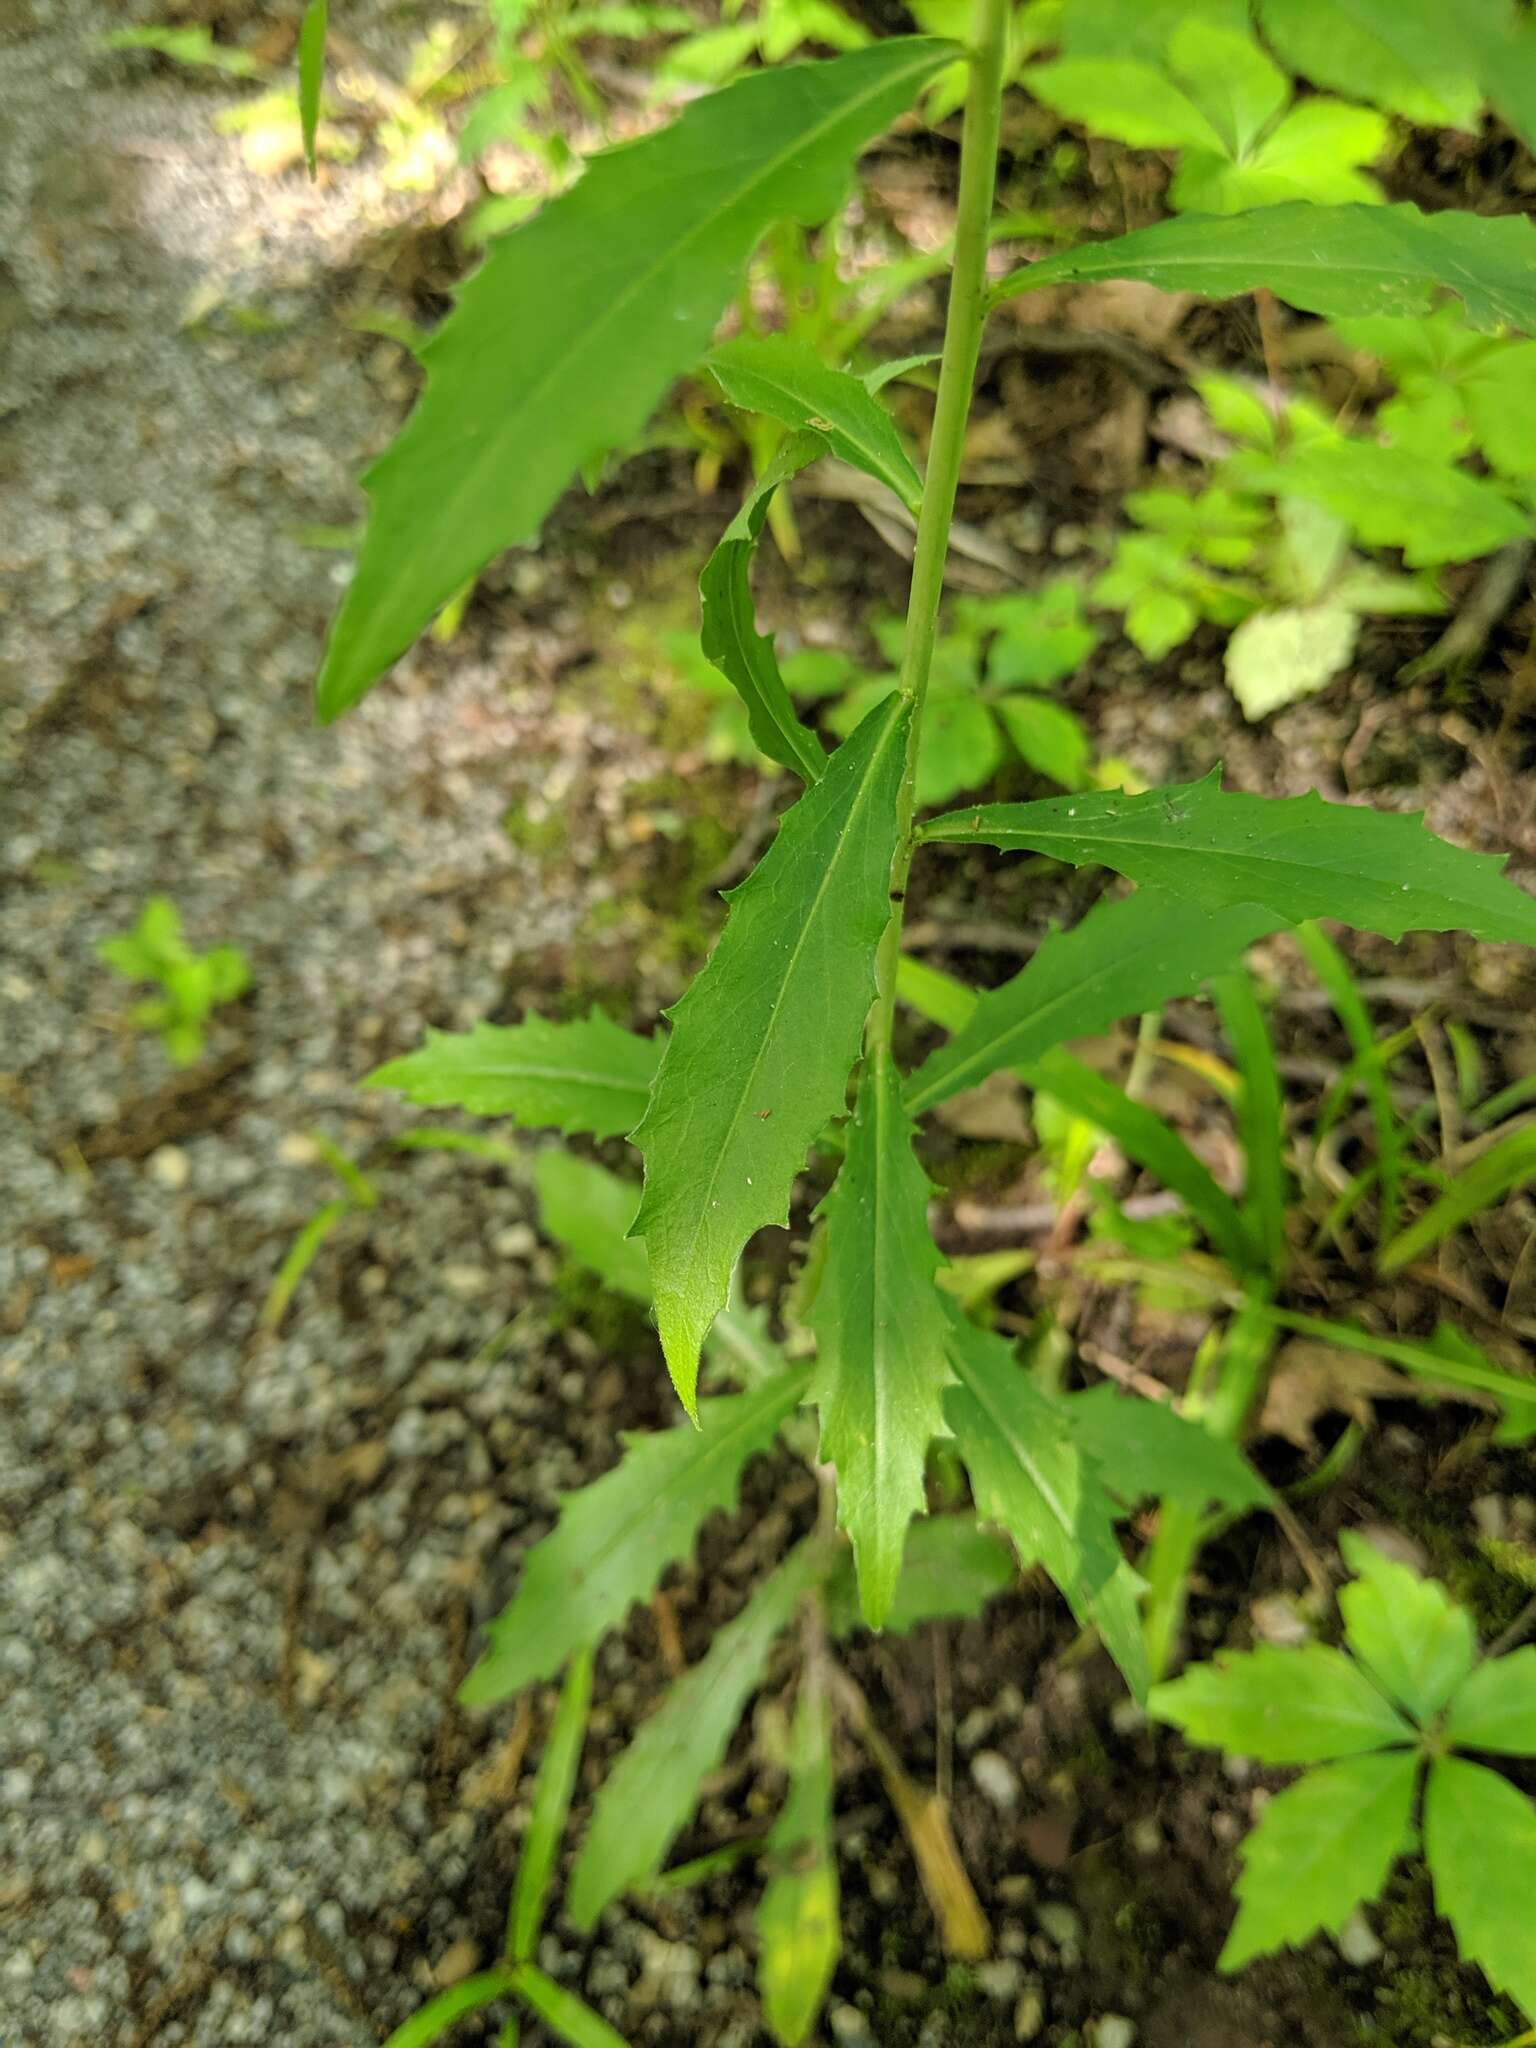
968 305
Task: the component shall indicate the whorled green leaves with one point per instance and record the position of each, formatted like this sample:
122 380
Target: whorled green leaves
728 631
880 1327
1335 260
615 1537
587 1075
1297 856
763 1042
568 334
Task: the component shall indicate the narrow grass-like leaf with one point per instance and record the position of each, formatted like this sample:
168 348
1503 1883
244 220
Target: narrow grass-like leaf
562 2011
880 1329
1340 261
569 333
789 382
1145 1447
934 994
1301 1706
1495 1708
797 1918
1477 1186
615 1537
551 1805
1407 1631
728 631
1332 970
653 1787
587 1075
950 1569
763 1042
1450 1357
311 75
1260 1114
591 1211
1298 856
1321 1848
1125 957
1480 1842
1144 1136
450 2006
1032 1478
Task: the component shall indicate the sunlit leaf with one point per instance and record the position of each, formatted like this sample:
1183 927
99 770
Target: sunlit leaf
568 334
587 1075
1282 1706
1480 1842
1410 59
1407 1631
789 382
1495 1708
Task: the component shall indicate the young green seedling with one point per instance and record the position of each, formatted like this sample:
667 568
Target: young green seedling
193 985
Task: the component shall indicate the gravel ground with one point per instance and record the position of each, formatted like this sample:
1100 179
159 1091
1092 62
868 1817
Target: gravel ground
235 1805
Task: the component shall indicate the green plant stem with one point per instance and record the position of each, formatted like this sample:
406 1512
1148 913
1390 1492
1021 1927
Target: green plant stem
957 379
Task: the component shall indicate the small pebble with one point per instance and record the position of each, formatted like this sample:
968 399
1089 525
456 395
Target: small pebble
996 1779
1028 2015
171 1167
1113 2030
1357 1941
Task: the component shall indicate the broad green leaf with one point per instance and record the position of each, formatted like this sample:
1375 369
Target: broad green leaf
1277 657
1409 59
764 1040
562 2011
798 1929
584 1076
616 1537
1125 957
1282 1706
551 1806
1335 260
1299 856
591 1211
950 1569
1040 637
1145 1447
568 334
1125 100
1232 81
728 630
1393 498
311 75
1314 153
1049 738
789 382
1407 1631
1480 1843
1144 1137
1140 28
1031 1478
440 2013
1478 1186
1495 1708
880 1334
654 1786
961 747
1321 1848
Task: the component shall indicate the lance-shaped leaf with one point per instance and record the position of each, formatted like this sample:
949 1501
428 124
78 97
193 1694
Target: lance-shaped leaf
797 1919
654 1786
615 1537
1031 1476
950 1569
727 626
1321 1848
880 1327
1298 856
1145 1447
1336 260
1125 957
1480 1842
763 1042
584 1076
568 334
590 1211
551 1807
789 381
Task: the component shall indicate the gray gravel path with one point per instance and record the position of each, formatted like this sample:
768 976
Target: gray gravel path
240 1575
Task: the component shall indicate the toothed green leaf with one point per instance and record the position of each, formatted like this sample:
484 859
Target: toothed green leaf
763 1042
584 1076
1407 1631
789 382
1480 1842
1282 1706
